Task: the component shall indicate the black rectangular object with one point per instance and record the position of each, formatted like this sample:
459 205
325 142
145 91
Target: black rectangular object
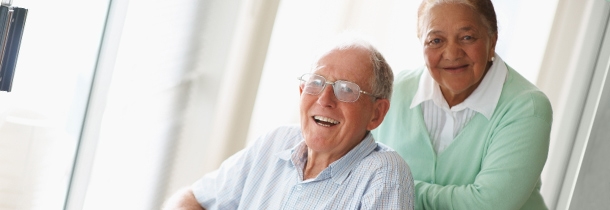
12 23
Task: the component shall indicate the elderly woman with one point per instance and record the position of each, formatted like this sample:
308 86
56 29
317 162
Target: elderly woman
474 132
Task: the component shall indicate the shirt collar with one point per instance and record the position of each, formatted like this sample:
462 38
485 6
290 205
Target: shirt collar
484 99
339 170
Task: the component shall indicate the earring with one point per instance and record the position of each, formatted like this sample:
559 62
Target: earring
492 59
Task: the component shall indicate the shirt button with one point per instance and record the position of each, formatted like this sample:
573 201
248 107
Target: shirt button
299 187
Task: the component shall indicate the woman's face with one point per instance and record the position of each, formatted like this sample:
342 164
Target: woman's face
457 49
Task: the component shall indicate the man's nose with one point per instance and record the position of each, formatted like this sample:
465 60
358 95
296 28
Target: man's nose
327 97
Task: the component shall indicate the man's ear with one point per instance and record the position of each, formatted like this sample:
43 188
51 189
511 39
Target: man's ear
381 107
300 90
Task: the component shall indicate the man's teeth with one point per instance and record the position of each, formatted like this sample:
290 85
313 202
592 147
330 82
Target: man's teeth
325 120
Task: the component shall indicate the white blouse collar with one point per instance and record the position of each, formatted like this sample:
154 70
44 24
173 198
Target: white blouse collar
484 99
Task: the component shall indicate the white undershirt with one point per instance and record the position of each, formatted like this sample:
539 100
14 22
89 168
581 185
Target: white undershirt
444 123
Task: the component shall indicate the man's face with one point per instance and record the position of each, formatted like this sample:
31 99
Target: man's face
332 126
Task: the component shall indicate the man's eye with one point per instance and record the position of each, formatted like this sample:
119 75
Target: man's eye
435 41
346 89
316 83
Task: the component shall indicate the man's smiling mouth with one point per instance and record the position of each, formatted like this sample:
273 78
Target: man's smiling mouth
325 121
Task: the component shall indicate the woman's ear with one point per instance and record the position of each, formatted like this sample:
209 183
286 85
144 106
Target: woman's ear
492 48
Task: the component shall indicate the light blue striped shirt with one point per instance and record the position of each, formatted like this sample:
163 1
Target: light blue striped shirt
269 175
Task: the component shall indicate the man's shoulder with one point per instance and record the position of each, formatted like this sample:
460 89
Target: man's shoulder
386 157
284 137
385 164
285 131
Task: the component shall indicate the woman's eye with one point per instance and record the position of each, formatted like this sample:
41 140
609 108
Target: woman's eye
468 38
434 43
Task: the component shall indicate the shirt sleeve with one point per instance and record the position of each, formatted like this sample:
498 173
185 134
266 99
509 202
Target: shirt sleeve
510 171
391 187
221 189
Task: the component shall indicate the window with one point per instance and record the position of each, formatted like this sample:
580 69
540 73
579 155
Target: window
145 105
41 119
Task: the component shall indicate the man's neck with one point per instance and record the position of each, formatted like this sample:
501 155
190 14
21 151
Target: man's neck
317 162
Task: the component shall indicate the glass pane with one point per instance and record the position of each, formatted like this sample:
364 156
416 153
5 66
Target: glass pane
145 103
41 119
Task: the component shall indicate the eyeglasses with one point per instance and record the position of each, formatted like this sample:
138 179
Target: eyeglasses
345 91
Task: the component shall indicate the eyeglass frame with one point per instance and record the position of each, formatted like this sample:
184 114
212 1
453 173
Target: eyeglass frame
326 82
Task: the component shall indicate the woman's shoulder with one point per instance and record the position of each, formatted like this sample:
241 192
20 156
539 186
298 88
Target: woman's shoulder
519 93
518 86
406 81
406 75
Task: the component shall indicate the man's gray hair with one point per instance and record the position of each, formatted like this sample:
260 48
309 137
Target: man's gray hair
383 75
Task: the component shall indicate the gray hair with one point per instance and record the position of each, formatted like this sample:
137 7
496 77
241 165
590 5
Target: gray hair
383 76
484 8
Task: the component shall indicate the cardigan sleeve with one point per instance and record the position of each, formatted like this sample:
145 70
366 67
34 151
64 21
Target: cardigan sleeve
510 170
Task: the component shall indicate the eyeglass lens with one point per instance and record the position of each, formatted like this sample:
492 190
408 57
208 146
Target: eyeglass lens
344 91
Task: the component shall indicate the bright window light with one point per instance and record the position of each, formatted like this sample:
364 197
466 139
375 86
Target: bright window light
41 119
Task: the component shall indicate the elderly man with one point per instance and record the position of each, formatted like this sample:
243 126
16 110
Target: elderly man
331 161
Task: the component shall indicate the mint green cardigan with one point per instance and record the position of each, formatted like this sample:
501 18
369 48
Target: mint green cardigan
491 164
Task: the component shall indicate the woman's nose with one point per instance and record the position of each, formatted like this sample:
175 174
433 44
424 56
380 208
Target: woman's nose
453 51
